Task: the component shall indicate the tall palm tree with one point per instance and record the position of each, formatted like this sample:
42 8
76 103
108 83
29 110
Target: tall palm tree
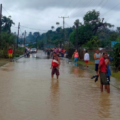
7 24
77 23
57 23
52 27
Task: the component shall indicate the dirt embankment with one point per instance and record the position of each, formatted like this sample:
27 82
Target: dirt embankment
3 61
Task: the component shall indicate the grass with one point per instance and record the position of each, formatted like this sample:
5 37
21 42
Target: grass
116 75
91 65
3 61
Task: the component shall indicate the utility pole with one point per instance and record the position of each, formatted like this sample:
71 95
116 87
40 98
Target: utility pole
63 27
76 36
18 33
24 37
76 25
0 17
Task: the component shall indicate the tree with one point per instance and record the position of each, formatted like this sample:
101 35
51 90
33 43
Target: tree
118 30
7 39
93 18
92 24
116 54
7 24
118 39
52 27
77 23
57 23
113 36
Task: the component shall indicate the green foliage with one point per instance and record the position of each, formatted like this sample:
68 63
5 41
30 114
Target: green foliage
113 36
16 55
6 24
88 45
90 28
84 34
118 39
90 16
92 44
7 39
117 55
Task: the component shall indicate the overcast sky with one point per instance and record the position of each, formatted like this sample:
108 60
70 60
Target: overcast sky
42 14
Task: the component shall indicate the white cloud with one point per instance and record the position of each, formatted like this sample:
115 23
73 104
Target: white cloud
42 14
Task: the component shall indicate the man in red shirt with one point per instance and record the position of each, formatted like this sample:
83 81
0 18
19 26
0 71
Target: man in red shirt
102 73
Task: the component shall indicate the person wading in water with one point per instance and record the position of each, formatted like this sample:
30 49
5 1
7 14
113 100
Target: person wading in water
102 72
97 57
55 65
76 55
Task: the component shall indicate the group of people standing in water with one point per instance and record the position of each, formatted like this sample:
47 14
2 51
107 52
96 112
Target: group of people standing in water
60 51
102 67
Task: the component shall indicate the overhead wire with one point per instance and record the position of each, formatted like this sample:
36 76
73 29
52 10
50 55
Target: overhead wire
75 6
33 28
99 4
5 10
112 8
104 4
88 3
68 5
67 24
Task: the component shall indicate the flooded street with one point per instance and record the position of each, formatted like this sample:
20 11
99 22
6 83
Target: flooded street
27 92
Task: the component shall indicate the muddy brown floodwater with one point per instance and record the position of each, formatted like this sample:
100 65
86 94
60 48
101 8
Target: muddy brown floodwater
28 93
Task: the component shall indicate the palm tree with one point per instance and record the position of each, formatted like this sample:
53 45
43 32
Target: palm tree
52 27
57 23
77 23
6 24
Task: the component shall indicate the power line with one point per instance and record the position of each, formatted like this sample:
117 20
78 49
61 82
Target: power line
67 24
88 3
112 8
6 11
14 27
67 6
104 4
33 28
99 4
75 5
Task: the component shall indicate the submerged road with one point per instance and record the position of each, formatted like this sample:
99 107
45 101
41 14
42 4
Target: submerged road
27 92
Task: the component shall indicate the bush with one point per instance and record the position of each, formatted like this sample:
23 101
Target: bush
116 55
16 55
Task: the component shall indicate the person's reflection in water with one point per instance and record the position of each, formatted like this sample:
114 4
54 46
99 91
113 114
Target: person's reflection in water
55 96
105 105
76 71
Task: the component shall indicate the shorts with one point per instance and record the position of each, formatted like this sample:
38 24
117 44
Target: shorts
86 61
103 79
96 67
10 55
55 70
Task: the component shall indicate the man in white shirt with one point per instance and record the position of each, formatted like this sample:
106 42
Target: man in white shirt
86 58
